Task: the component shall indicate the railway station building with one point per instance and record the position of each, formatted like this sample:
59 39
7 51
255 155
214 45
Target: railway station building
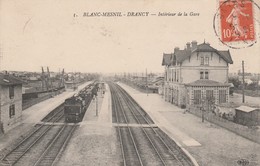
196 74
10 102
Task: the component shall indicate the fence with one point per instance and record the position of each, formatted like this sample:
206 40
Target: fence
32 95
141 88
31 102
244 131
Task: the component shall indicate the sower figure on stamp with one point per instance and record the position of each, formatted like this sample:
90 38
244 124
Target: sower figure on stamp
233 19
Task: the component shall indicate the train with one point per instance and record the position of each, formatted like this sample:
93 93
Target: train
76 106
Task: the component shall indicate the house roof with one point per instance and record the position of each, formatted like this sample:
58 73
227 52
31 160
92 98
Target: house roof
206 82
205 47
181 55
226 56
166 59
246 109
6 79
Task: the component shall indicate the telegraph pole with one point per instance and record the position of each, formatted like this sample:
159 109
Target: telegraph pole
0 61
257 85
146 82
243 88
1 57
97 103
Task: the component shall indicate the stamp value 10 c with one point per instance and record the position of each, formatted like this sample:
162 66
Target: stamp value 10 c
236 21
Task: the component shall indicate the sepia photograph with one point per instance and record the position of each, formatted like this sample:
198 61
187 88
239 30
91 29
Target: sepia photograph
129 83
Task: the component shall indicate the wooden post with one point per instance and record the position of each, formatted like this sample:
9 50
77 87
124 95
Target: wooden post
146 82
243 89
257 85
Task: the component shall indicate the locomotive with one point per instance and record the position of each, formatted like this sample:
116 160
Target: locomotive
76 106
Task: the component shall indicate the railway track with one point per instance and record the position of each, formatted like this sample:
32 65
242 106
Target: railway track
130 153
144 140
50 136
56 115
49 156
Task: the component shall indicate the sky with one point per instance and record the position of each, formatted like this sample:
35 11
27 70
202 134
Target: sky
36 33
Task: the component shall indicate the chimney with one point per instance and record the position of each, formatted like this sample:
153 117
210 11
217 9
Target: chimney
188 46
176 49
194 44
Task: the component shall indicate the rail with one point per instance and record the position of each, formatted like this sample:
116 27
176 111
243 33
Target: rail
23 150
132 105
55 146
130 132
131 109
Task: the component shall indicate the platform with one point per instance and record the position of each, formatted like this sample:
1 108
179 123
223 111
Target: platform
95 141
207 143
34 115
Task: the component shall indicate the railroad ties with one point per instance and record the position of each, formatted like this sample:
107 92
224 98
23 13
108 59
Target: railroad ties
141 141
44 144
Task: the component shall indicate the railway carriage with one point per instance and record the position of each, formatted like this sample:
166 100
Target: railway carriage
76 106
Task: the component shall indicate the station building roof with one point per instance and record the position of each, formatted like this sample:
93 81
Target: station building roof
206 82
180 55
166 59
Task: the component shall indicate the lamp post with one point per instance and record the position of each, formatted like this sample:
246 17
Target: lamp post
202 110
97 101
97 105
146 82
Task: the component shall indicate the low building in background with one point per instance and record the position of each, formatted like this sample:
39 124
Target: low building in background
247 116
10 102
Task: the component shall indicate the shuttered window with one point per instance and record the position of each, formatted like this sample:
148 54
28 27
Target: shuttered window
11 110
206 75
209 94
222 96
197 96
11 92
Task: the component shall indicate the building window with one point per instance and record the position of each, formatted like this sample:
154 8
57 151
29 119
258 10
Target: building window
197 96
206 75
11 92
209 94
222 96
11 110
201 60
206 60
201 75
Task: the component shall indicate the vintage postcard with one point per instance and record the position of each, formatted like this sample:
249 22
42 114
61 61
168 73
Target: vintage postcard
141 82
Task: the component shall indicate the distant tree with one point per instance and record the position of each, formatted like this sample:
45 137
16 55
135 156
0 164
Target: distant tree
252 86
235 82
